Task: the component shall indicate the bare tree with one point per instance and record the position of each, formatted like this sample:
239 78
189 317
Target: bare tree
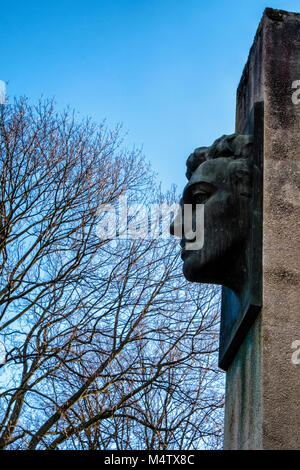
106 344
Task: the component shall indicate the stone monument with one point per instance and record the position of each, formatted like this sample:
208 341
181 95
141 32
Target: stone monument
249 185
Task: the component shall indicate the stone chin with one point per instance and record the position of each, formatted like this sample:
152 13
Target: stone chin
197 270
223 267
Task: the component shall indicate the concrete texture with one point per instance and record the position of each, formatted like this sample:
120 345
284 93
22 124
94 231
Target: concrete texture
243 413
263 384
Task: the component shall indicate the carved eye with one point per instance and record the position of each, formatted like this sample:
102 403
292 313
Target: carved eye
200 197
198 193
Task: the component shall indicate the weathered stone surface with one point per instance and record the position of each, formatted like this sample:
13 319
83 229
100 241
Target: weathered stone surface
262 392
243 411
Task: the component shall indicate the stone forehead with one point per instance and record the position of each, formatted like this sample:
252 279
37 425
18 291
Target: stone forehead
212 171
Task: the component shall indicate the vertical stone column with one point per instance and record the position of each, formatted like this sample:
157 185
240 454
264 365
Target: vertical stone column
263 381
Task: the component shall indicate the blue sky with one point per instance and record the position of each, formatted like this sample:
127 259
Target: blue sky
167 69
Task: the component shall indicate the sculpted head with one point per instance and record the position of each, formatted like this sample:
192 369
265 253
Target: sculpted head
220 178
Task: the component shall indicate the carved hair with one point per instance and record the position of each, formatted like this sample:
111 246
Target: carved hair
234 146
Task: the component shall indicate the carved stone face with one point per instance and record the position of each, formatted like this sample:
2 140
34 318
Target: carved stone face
223 185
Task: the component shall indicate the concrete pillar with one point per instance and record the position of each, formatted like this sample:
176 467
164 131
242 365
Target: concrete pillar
263 381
